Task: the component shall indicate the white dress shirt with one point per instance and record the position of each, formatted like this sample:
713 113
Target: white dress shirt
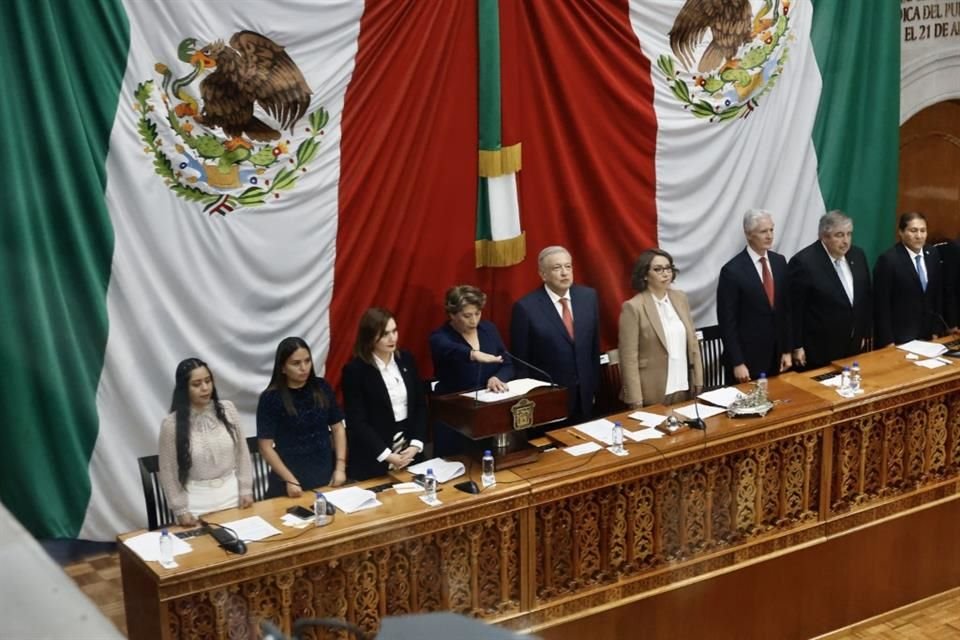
555 299
675 333
843 272
397 390
756 263
913 261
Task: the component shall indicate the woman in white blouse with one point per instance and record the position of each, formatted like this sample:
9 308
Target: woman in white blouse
204 461
384 400
659 355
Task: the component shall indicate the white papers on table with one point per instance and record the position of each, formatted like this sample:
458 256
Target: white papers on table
443 470
147 545
582 449
721 397
433 501
643 434
515 389
252 528
932 363
705 410
601 430
407 487
293 521
352 499
647 419
831 382
923 348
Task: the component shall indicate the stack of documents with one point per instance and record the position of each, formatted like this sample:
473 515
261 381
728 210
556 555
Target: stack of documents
147 545
443 470
352 499
515 389
723 397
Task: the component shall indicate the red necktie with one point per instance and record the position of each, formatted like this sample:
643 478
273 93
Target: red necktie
767 280
567 316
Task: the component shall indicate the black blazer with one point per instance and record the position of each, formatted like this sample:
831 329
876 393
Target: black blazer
825 323
903 311
538 336
369 414
753 334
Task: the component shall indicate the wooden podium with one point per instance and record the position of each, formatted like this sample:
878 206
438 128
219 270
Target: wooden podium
504 420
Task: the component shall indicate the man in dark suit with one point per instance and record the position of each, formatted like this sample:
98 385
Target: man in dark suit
753 305
556 328
830 296
908 284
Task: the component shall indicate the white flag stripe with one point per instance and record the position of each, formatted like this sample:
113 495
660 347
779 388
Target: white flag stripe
710 173
188 283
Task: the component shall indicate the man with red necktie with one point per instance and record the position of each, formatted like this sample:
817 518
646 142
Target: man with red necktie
753 305
556 328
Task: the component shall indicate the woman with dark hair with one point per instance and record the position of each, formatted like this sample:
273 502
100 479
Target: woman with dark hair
296 416
659 354
204 462
908 288
384 400
467 350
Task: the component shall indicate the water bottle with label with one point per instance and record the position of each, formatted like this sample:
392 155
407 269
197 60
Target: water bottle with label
617 437
487 477
430 486
855 379
166 549
320 517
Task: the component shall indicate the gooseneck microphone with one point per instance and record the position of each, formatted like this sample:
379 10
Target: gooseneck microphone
226 537
534 367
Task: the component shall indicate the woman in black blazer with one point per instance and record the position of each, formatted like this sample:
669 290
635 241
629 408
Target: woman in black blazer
384 400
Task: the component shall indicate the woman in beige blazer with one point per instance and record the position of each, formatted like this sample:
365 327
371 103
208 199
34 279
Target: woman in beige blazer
659 354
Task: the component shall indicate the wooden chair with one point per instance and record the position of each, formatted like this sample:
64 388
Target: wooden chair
711 353
611 382
158 511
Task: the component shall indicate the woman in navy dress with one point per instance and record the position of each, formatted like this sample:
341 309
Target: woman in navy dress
299 425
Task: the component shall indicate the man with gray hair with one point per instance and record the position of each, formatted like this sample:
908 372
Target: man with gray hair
830 296
556 328
753 305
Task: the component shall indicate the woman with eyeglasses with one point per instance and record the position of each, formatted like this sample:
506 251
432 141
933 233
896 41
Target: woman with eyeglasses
659 355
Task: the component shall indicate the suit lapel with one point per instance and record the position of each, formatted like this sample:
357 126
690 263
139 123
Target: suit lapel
911 267
553 317
749 270
653 316
828 267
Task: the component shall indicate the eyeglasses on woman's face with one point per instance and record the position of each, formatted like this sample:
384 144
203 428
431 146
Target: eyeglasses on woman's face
659 269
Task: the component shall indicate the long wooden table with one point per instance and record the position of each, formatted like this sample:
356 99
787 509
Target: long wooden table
571 545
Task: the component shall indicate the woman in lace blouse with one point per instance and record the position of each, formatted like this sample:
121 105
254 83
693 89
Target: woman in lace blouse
204 460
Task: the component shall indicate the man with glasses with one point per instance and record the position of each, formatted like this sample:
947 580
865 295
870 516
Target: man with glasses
556 328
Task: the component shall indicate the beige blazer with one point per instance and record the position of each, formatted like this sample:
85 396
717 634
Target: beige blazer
643 350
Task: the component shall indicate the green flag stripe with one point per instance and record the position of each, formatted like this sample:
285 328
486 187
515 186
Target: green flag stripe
63 66
856 134
488 89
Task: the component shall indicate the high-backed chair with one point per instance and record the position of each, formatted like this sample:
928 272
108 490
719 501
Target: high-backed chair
611 382
158 511
711 353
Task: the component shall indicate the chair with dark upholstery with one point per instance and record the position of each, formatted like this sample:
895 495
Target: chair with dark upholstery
711 353
158 512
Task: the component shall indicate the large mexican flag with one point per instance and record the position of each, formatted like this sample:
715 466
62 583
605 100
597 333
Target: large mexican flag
205 179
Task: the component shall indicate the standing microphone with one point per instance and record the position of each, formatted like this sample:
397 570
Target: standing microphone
696 423
534 367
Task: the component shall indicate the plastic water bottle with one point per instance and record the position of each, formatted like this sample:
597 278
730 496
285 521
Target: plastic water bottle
855 378
487 477
845 382
320 517
617 437
430 486
166 549
762 385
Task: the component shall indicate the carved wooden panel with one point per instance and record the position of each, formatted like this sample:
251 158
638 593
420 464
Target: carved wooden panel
471 569
894 451
623 530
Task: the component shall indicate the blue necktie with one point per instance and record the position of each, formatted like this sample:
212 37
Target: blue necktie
923 276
